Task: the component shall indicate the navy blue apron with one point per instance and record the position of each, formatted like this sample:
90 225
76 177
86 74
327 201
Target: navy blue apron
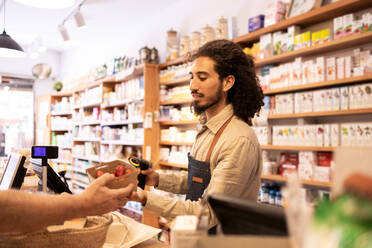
199 172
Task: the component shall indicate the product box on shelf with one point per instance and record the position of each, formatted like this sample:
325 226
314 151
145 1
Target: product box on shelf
348 21
325 35
335 99
274 12
255 23
331 68
266 45
306 39
320 69
322 173
335 135
340 68
338 27
344 98
292 31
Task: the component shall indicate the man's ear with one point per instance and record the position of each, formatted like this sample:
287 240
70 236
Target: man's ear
228 83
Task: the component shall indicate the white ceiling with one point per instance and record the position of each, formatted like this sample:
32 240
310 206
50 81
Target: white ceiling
104 18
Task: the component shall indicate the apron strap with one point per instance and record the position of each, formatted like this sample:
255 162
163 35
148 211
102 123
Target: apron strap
216 137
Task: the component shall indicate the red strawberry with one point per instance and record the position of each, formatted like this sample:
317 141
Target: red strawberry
99 173
120 170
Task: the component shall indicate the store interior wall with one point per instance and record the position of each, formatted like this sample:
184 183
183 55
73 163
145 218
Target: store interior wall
23 67
184 16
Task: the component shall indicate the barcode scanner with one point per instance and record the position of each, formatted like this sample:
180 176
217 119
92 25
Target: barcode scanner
141 165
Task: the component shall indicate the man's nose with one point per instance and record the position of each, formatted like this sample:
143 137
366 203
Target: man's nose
193 85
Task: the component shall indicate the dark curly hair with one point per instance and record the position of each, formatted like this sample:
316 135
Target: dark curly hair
246 95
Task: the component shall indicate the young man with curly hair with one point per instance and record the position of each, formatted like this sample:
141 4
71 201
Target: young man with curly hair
226 156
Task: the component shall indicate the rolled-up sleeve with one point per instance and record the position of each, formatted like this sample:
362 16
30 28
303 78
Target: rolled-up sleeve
236 166
175 183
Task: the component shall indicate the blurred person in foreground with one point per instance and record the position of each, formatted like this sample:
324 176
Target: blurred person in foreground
23 211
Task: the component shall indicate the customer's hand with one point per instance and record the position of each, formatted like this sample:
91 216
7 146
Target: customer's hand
152 177
99 199
139 196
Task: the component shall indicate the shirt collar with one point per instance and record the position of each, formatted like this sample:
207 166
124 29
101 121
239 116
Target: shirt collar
218 120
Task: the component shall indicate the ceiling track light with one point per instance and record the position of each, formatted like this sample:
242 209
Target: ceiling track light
8 47
63 32
79 19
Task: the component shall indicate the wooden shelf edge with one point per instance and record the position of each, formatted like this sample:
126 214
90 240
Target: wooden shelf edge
176 143
176 81
170 123
342 43
319 84
164 163
297 148
323 113
182 101
279 178
315 16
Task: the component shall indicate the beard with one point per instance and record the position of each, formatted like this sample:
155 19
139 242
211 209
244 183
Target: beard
198 108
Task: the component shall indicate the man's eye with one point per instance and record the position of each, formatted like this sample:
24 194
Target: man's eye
202 78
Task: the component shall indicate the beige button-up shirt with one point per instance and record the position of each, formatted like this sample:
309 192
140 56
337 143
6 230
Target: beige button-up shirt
235 165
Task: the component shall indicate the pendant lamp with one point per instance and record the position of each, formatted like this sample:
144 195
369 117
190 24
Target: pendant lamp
8 47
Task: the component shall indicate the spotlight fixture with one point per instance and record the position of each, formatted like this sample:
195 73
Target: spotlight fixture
8 47
79 18
63 32
48 4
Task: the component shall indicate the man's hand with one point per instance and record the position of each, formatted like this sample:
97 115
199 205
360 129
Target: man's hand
152 177
139 196
99 199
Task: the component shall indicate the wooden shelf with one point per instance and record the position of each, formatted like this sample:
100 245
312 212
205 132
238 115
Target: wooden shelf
176 61
319 85
175 102
315 16
60 114
164 163
62 161
74 181
97 104
323 113
60 130
120 104
65 147
87 123
171 123
279 178
342 43
91 158
117 123
298 148
167 143
177 81
120 142
86 140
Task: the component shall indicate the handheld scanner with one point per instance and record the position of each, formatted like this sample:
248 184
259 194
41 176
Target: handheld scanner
140 164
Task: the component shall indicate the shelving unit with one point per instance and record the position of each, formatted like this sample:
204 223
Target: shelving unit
90 158
177 81
319 85
334 45
278 178
164 163
120 142
298 148
315 16
176 123
119 123
167 143
321 114
177 102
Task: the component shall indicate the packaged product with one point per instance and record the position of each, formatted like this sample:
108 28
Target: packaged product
340 68
348 21
325 35
344 98
292 31
331 68
306 39
255 23
338 27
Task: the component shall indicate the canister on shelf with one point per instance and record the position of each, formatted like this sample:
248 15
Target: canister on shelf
154 57
172 45
144 55
222 29
195 40
208 34
185 45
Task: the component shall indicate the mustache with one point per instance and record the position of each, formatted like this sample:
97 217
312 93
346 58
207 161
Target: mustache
195 92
